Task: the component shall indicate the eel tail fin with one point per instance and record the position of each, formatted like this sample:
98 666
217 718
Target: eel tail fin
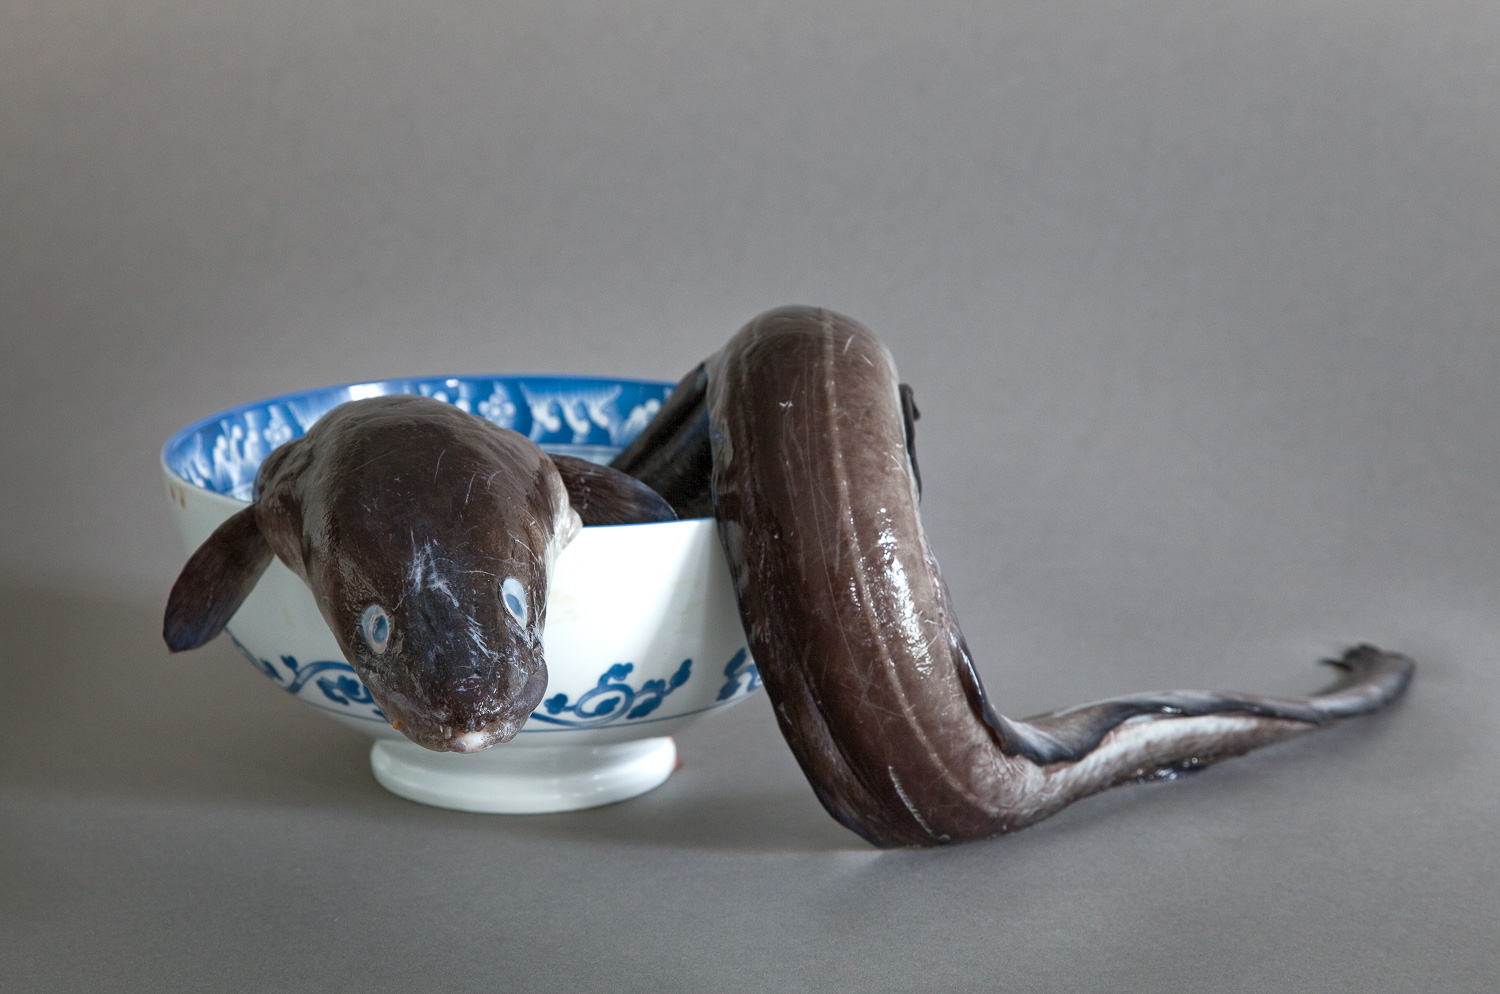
1159 736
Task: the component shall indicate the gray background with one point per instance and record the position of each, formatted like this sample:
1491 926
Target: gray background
1199 303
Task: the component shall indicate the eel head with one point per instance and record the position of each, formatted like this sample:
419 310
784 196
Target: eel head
428 550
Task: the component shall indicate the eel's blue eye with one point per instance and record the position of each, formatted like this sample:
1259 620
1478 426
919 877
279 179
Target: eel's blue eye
513 596
375 626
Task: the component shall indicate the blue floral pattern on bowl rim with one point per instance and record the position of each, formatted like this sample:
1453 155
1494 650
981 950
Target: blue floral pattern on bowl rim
589 417
592 418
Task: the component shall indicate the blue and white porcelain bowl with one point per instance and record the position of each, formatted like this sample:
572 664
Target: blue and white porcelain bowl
642 638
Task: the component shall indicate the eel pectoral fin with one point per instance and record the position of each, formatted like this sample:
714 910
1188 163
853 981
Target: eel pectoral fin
215 582
605 496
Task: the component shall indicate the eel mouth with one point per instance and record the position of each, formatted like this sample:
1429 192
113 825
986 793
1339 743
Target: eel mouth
472 741
477 741
476 734
445 738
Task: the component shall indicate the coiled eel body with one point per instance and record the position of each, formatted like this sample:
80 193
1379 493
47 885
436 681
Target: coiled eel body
798 437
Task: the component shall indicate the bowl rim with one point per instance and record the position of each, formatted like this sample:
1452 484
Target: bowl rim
209 420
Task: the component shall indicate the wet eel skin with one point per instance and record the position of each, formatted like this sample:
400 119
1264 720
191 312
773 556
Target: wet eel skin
798 437
427 536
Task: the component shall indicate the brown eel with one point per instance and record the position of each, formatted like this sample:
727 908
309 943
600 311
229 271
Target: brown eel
427 537
798 437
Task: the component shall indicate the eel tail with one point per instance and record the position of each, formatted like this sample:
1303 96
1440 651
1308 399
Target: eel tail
1160 736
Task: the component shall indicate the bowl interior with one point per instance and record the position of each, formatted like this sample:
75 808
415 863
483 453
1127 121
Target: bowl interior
588 417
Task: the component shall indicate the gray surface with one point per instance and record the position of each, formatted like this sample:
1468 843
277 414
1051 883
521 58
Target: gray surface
1199 302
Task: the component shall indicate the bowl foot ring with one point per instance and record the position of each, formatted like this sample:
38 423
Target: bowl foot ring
524 779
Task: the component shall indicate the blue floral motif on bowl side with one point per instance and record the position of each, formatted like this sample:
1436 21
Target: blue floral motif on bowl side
325 683
335 683
740 677
612 699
